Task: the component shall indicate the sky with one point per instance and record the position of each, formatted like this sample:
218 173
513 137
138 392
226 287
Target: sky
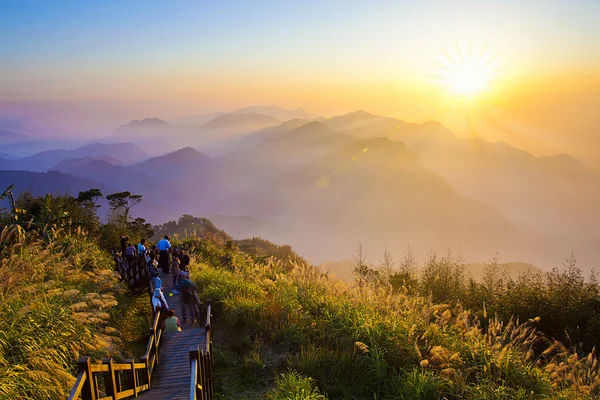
327 57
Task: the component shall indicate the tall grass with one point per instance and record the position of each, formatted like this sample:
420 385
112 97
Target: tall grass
56 300
370 342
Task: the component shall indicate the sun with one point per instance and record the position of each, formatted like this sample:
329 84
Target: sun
466 72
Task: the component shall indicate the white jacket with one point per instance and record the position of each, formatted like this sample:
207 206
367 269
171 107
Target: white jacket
156 301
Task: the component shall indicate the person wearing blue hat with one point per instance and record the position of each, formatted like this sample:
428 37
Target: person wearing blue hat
163 246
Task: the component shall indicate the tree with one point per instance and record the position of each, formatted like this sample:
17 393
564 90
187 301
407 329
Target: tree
121 203
386 266
88 198
363 274
406 276
141 228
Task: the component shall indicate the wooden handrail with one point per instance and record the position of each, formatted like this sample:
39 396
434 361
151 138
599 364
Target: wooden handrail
79 382
201 360
86 383
201 384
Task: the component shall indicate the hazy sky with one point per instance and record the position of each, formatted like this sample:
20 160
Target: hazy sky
326 56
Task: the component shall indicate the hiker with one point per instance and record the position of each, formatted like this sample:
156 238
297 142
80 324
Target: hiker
155 280
185 259
124 240
159 303
171 323
150 260
130 254
187 288
175 272
141 248
163 260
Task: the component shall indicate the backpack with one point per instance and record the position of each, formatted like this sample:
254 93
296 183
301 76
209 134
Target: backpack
186 289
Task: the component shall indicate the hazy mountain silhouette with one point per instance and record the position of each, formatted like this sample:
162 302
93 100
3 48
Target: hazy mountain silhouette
198 119
45 160
551 194
243 168
175 166
238 122
145 123
73 163
10 137
277 112
53 182
7 156
154 133
377 190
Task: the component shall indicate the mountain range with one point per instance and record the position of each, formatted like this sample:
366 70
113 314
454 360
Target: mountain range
323 184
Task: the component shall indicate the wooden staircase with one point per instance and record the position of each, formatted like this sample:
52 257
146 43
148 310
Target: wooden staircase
172 377
176 365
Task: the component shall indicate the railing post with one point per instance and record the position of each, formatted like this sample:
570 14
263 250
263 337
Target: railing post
205 384
154 347
110 383
209 383
146 361
194 361
132 376
88 392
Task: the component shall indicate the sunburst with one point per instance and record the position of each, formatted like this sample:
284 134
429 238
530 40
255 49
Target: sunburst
467 71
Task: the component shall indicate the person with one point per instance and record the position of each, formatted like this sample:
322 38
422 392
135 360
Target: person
124 240
175 272
187 288
141 248
184 258
150 260
163 247
155 281
130 254
171 323
159 303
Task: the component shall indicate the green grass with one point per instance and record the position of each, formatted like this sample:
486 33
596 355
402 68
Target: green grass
367 343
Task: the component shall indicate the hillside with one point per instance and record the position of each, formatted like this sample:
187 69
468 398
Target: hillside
284 327
58 302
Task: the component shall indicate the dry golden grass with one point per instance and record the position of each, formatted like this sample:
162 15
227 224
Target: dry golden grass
54 300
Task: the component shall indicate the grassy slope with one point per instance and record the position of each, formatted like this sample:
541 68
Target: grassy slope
58 303
366 343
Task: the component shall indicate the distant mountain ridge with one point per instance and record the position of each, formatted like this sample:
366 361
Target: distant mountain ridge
277 112
235 120
274 111
146 122
69 164
10 137
127 153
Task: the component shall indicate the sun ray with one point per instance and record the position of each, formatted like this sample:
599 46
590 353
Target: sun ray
466 71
